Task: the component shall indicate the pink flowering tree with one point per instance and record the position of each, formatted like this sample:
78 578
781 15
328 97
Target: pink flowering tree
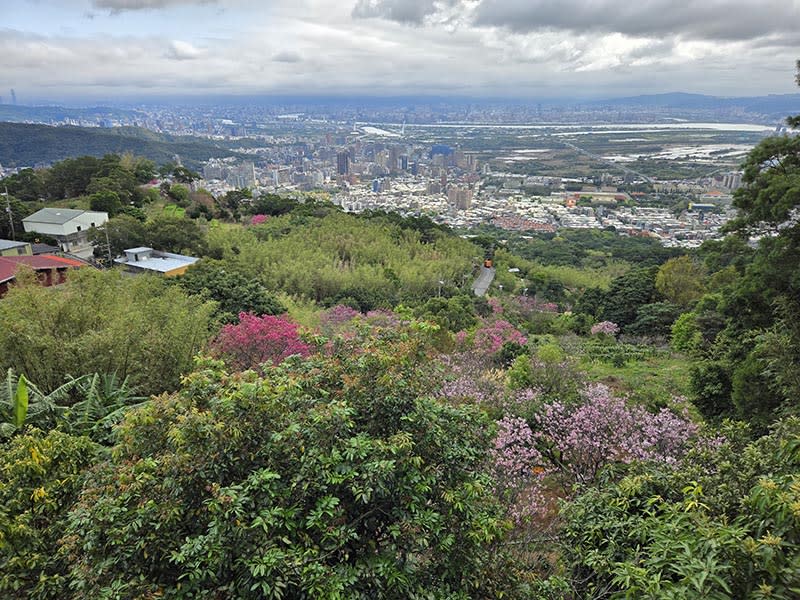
608 328
530 305
465 377
569 445
259 219
490 337
519 468
255 341
495 305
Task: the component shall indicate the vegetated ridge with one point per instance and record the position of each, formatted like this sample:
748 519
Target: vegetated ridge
23 144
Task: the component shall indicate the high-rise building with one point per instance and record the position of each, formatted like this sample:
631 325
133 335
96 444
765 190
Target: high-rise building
433 187
732 181
213 170
242 176
460 197
382 159
343 163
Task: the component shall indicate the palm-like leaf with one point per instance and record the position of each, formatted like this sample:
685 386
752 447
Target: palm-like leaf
22 402
104 401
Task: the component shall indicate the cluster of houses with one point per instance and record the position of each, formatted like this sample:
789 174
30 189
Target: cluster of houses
70 229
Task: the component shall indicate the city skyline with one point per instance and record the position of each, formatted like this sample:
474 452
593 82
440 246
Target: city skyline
107 49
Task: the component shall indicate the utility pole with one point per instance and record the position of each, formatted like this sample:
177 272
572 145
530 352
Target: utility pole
10 214
104 248
108 247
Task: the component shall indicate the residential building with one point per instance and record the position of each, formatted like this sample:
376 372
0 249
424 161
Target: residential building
147 260
51 270
68 226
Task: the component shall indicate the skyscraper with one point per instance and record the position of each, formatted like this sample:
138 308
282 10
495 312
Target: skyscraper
343 163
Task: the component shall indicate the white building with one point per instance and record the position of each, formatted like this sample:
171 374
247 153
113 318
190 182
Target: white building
147 260
70 227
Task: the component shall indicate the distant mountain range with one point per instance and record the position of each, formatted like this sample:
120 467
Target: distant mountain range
55 114
783 104
23 144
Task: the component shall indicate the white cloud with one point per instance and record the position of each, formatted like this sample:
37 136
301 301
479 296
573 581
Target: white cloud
180 50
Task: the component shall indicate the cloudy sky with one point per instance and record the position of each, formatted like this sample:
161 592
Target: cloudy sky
102 49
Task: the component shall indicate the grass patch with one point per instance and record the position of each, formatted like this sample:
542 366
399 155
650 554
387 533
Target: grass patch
653 381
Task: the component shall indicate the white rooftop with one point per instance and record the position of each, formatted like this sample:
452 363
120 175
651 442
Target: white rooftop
154 260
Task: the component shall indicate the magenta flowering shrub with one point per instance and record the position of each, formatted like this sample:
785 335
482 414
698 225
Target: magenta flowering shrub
490 337
333 319
569 445
258 219
605 328
255 341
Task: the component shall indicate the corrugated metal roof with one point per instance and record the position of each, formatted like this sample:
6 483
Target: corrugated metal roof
8 244
7 271
10 264
43 248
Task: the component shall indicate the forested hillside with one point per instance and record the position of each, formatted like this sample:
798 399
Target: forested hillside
23 145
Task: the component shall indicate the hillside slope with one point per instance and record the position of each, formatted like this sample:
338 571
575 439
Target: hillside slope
24 145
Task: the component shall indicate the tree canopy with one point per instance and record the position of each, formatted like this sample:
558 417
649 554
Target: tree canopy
335 477
141 328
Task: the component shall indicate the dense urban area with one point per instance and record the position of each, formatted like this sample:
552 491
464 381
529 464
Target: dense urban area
631 170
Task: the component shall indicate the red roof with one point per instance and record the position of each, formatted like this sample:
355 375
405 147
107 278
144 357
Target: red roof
7 270
9 264
45 261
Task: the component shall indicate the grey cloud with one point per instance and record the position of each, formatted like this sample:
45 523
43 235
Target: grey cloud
781 40
696 19
402 11
653 49
123 5
701 19
287 56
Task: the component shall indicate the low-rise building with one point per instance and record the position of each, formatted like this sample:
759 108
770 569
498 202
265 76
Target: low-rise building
50 269
147 260
68 226
12 248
